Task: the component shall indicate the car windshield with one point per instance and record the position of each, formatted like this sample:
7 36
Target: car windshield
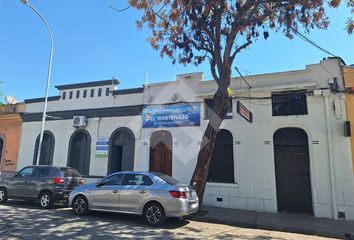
168 179
70 172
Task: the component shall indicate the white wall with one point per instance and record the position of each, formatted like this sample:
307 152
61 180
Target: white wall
63 130
255 187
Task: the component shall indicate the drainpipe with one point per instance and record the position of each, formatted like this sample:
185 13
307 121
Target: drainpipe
98 126
326 94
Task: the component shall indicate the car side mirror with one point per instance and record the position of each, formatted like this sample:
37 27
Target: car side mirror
17 174
99 184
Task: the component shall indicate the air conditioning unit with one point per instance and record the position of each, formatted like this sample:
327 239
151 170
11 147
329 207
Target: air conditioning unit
79 121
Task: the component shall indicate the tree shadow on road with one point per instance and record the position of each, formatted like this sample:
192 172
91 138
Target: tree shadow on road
61 223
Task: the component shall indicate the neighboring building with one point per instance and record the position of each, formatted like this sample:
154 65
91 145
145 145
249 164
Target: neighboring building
10 132
348 74
83 120
281 146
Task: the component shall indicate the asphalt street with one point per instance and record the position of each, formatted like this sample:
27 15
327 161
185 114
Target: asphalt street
25 220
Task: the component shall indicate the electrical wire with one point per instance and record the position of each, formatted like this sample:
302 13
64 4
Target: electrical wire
303 37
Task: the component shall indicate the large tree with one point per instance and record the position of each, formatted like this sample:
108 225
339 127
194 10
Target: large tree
191 31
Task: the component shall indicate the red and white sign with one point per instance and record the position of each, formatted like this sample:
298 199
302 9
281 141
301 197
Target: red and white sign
244 112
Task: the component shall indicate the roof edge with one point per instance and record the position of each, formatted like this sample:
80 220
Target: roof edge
88 84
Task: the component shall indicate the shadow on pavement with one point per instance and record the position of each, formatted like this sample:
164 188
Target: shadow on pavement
61 223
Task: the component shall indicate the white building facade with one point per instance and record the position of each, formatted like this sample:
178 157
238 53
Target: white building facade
282 146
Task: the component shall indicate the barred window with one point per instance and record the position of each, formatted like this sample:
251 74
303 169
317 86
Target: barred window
291 103
222 159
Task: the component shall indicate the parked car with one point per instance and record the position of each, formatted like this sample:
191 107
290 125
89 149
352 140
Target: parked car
155 196
47 184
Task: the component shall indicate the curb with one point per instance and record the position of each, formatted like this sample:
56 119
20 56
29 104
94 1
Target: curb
313 231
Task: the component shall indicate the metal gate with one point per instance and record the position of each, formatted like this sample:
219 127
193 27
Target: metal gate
292 171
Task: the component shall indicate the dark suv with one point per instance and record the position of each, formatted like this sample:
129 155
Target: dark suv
44 183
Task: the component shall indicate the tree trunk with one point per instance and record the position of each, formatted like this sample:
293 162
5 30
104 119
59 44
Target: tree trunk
199 178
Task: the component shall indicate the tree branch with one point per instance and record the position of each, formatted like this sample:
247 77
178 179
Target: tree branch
217 42
239 49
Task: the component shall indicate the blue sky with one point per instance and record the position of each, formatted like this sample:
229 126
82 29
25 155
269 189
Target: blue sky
93 42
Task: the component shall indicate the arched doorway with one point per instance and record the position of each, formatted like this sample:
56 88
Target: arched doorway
121 151
47 149
161 152
79 151
222 159
292 171
2 145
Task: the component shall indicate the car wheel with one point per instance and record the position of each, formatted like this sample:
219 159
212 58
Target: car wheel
46 200
3 195
154 214
80 206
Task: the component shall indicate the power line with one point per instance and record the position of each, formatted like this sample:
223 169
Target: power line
303 37
308 40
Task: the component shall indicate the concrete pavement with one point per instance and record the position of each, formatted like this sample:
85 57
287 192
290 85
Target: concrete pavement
296 223
23 220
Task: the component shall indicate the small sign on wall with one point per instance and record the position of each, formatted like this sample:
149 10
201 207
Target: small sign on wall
102 146
244 112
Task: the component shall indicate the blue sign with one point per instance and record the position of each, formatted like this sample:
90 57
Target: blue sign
173 115
102 144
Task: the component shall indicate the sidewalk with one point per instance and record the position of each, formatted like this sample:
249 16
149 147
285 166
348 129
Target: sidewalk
287 222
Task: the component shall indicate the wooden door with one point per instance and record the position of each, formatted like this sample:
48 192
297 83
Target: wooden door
161 152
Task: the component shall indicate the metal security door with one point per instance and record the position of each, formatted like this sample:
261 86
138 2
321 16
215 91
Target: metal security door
292 170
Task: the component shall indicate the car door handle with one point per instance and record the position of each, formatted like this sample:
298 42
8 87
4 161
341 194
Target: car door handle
115 191
142 191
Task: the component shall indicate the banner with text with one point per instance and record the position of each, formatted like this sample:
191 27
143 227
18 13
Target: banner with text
173 115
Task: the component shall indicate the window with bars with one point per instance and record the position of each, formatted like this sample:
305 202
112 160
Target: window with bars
290 103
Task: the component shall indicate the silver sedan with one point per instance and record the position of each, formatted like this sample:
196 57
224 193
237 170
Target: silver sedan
156 196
